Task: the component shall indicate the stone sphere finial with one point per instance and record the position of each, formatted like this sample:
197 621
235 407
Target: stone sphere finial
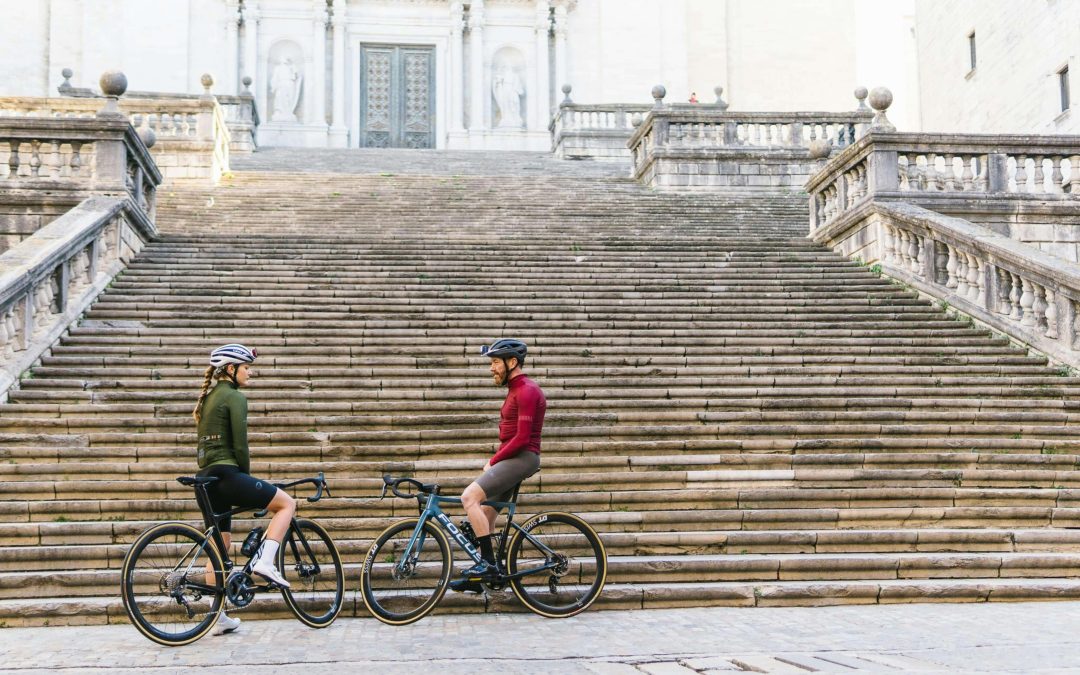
636 119
113 83
880 100
67 73
148 137
207 81
658 94
720 102
65 86
566 89
860 94
246 81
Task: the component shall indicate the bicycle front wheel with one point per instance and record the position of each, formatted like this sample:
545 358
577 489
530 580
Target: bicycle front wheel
168 592
562 562
310 562
402 583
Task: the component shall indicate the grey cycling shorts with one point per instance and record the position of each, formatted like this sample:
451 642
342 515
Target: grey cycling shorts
498 482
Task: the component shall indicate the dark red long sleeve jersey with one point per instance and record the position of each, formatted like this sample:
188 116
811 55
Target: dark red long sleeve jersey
522 419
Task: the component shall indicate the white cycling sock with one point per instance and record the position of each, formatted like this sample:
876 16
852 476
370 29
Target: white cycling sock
269 552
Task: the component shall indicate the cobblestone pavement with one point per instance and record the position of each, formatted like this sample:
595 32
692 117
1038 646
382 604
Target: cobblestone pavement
925 638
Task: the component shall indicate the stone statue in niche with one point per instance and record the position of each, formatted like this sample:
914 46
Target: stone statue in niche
285 83
508 88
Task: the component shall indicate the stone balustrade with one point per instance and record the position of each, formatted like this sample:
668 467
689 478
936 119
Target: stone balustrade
708 147
1008 285
597 132
48 165
51 278
1026 187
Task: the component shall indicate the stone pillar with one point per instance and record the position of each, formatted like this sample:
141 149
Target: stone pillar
476 69
339 130
317 105
457 68
541 96
252 67
232 47
560 45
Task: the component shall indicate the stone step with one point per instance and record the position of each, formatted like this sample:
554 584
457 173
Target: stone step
95 610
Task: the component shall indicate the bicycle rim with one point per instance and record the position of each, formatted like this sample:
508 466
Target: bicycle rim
310 562
399 585
568 561
156 584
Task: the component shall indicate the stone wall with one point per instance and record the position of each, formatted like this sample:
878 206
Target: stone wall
1020 47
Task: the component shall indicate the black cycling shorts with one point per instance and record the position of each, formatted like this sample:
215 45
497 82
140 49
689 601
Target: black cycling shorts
235 488
499 481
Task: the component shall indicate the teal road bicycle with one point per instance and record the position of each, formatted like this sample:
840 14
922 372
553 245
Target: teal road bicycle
554 562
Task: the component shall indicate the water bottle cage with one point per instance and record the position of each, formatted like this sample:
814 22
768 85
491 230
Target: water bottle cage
251 543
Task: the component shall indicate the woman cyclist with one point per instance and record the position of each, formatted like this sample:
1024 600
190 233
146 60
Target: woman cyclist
221 414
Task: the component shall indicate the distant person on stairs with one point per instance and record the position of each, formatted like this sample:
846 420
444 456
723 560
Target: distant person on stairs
221 414
518 457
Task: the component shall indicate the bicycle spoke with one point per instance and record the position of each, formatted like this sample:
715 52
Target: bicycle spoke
562 565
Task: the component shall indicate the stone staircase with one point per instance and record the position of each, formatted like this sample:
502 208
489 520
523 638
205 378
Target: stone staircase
747 418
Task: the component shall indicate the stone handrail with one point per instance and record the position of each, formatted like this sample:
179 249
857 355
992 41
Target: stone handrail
919 166
95 155
51 278
222 140
1008 285
613 116
242 119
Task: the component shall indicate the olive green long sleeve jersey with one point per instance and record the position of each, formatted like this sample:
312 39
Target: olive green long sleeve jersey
223 428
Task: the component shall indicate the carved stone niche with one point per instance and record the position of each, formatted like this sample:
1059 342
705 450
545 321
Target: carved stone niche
285 84
509 95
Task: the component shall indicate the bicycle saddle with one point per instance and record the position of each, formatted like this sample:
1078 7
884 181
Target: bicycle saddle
192 481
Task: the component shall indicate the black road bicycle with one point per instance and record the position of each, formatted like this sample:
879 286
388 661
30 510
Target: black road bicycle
554 562
176 578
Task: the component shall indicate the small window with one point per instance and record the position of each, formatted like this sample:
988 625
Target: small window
1063 86
971 49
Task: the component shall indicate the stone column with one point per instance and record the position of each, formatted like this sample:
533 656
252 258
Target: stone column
232 46
252 68
457 68
317 106
476 70
560 45
541 98
339 131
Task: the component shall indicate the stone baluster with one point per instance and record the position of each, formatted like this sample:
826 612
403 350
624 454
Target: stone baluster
913 252
976 292
1056 181
76 158
1004 286
14 146
967 178
902 172
1027 304
951 268
1015 293
961 274
888 247
1074 175
1021 174
1039 176
1038 306
1051 314
8 334
949 174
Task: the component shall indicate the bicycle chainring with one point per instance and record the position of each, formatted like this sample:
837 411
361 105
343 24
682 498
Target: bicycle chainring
240 589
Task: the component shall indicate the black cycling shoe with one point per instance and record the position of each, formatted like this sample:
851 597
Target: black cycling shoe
472 579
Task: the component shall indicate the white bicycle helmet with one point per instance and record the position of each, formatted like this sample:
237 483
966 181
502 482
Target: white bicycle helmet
232 353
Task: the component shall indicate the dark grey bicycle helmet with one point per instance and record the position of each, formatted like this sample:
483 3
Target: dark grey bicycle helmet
506 348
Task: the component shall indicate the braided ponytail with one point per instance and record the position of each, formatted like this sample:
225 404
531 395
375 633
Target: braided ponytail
207 381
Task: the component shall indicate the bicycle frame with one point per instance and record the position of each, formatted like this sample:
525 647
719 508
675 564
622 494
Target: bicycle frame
431 511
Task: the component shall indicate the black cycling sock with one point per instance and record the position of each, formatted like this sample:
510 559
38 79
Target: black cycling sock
485 549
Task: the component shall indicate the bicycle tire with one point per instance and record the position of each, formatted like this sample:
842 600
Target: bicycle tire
154 578
398 599
314 572
539 542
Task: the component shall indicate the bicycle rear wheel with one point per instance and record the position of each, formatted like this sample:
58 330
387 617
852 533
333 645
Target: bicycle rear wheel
164 584
310 562
564 561
402 584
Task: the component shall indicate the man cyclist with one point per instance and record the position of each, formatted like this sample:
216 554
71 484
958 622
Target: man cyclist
518 457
